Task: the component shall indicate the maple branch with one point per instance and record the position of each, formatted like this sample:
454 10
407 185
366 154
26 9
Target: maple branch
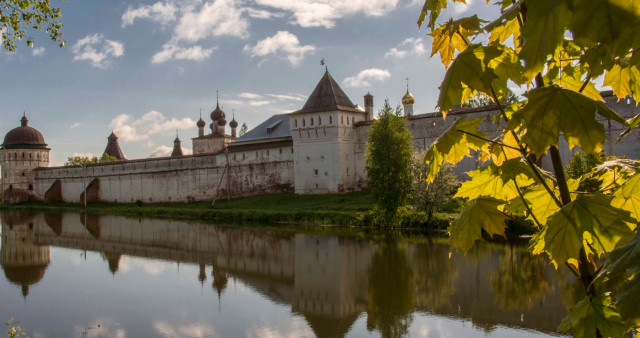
525 224
523 152
489 140
527 205
586 82
572 269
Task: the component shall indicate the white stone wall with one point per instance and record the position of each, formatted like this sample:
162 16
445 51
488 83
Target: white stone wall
324 148
189 178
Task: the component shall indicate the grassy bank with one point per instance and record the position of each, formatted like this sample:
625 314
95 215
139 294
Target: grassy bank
334 209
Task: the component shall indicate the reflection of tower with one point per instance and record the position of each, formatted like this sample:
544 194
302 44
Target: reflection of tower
114 261
202 275
23 261
220 281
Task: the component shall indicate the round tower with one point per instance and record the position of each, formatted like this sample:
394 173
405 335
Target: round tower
201 124
22 151
234 125
407 103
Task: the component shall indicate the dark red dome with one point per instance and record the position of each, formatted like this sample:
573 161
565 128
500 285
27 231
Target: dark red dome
24 137
201 123
233 123
217 113
222 122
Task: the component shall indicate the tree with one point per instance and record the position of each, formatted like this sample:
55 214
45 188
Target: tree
82 160
482 100
561 47
388 163
17 15
428 197
243 129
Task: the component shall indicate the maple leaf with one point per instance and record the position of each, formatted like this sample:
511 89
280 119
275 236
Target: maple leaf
433 8
542 33
452 36
588 316
505 26
452 146
589 220
551 110
478 68
481 213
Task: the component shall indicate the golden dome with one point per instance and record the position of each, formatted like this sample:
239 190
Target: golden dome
407 98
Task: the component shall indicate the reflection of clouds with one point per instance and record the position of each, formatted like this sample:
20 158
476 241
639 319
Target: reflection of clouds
101 328
297 328
151 267
193 330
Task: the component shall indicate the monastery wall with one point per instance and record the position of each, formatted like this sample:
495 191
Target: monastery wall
183 179
426 128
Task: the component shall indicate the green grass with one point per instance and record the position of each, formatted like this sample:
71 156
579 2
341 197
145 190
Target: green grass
330 209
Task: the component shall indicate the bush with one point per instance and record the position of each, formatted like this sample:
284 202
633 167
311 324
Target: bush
434 196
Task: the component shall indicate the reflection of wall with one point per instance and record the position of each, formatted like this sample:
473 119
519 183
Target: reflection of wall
324 278
23 261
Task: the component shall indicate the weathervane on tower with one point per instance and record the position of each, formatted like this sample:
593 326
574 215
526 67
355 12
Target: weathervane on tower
322 63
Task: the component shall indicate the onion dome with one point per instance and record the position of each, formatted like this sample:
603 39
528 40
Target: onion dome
24 137
407 98
233 123
222 122
201 123
217 113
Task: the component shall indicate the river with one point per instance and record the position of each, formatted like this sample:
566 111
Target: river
69 275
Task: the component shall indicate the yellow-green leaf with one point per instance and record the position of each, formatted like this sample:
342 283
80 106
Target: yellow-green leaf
505 26
588 316
632 123
590 220
551 110
603 21
484 182
481 213
433 8
452 146
619 79
570 82
480 68
627 197
542 33
541 203
453 36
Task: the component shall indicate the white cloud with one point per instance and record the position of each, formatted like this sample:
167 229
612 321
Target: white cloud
214 18
192 331
311 13
97 50
101 327
460 7
286 97
75 125
256 103
250 96
150 267
165 151
160 12
263 14
173 52
37 51
283 45
410 46
130 129
363 78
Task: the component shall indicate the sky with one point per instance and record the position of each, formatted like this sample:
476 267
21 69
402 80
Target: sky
145 69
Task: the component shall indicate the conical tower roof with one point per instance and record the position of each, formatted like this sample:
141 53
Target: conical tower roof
177 149
113 148
328 96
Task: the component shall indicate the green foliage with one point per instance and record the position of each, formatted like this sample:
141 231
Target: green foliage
17 15
388 163
581 164
482 100
82 160
429 197
14 330
559 49
243 129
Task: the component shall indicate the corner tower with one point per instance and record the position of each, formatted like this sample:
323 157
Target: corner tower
324 138
22 151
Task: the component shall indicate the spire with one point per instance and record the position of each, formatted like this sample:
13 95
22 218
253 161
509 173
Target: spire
113 148
24 121
328 96
177 149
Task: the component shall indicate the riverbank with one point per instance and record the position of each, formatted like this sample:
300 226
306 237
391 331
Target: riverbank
352 209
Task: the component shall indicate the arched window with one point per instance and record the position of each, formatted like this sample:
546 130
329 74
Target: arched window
38 156
304 123
353 120
330 120
319 120
30 186
312 121
29 155
22 155
342 119
295 123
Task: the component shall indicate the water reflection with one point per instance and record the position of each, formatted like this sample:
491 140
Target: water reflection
337 285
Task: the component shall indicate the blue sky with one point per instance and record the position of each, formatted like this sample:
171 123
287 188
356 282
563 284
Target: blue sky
146 68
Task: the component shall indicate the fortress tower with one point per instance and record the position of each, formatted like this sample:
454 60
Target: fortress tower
22 151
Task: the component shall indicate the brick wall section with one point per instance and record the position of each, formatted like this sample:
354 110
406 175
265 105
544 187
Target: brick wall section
54 193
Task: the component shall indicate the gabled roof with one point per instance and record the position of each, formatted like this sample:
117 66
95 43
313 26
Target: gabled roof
328 96
277 126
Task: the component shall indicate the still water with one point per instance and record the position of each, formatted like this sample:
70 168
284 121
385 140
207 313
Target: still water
69 275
